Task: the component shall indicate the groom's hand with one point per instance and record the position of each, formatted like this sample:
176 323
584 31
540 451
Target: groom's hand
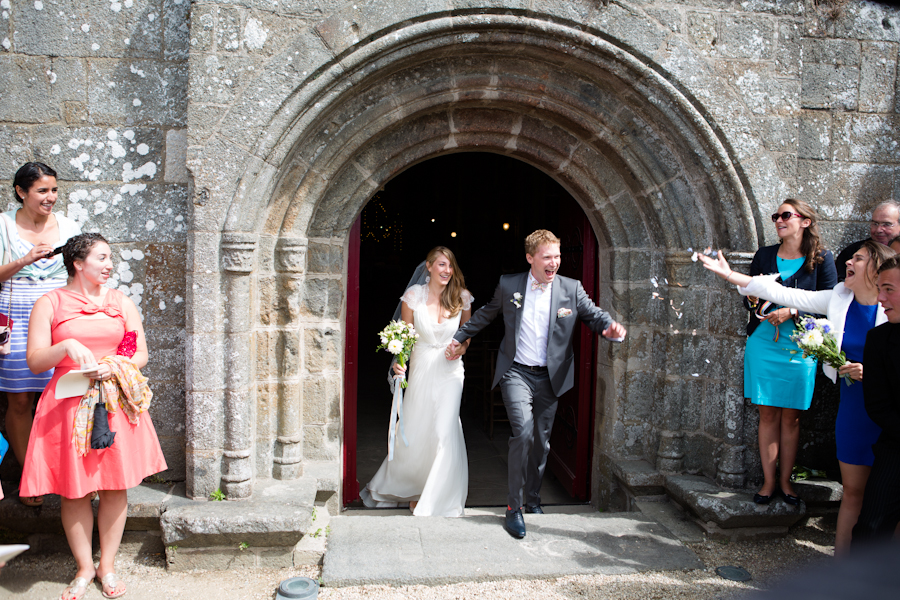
454 350
615 332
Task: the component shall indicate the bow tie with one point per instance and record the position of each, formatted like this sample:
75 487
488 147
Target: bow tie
537 285
91 309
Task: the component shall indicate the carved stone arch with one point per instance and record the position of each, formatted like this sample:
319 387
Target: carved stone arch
650 171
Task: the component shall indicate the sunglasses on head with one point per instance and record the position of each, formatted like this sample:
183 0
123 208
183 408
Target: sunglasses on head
4 336
785 216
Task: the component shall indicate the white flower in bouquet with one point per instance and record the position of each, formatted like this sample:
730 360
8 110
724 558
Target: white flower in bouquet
815 337
398 338
812 339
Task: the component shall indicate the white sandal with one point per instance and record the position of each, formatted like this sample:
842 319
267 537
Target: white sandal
76 588
110 580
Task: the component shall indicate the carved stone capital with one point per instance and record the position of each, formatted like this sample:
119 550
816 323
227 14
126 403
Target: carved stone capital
239 252
290 255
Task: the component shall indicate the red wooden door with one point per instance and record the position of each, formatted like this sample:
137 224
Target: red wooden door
351 355
571 442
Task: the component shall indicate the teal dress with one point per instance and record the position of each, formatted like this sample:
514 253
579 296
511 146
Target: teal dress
773 376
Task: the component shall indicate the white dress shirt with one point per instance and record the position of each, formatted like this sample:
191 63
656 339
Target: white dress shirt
531 346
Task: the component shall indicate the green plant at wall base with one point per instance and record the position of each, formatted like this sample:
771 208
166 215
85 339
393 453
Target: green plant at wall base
327 530
316 533
314 513
217 496
243 546
172 549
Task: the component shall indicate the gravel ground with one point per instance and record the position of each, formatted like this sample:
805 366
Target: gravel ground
45 576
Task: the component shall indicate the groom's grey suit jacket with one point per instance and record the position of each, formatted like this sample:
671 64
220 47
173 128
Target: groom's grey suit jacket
566 294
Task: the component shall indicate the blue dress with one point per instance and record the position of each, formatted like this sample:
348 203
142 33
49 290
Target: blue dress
772 376
854 431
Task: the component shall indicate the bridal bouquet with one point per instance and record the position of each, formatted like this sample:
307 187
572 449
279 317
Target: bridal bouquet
398 338
816 338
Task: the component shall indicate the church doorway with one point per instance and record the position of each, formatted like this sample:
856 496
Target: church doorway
480 205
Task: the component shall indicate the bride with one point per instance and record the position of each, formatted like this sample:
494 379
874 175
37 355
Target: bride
432 473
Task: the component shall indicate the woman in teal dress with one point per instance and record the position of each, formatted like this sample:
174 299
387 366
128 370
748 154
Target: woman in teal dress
780 387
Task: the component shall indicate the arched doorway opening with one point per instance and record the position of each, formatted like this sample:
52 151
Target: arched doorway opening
647 167
481 205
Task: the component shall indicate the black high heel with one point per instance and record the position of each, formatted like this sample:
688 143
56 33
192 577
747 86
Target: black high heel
760 499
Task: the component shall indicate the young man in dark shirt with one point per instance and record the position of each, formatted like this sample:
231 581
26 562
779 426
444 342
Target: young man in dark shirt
881 386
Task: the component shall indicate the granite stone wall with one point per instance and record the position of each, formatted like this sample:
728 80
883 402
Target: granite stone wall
255 141
98 90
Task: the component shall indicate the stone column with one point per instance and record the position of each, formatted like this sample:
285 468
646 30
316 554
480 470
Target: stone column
731 470
290 263
239 261
670 454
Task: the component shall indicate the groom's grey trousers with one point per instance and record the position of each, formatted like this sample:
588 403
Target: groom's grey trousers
531 407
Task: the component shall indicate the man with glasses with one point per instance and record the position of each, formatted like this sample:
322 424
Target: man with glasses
883 228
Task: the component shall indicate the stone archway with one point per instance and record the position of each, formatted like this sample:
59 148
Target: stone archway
641 160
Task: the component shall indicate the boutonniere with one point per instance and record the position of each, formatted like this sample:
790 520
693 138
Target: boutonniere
517 300
563 312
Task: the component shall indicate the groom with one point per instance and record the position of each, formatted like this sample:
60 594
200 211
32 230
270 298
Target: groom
535 364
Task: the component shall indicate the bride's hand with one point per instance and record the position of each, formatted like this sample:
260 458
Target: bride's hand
454 350
398 370
718 266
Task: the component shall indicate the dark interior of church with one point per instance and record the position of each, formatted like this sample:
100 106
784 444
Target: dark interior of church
481 206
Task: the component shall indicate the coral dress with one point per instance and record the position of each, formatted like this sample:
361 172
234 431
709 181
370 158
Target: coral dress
52 465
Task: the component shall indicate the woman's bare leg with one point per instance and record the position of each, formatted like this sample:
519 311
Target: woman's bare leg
18 422
790 440
769 441
854 478
78 523
110 525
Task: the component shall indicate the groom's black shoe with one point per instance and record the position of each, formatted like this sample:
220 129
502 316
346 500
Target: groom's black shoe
534 509
514 523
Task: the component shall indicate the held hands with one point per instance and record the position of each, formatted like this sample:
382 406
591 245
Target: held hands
615 331
399 370
853 369
454 350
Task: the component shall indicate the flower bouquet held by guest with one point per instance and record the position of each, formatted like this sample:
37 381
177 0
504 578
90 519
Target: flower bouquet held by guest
83 324
28 235
432 472
782 388
852 310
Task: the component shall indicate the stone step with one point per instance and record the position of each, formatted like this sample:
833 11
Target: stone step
731 514
265 530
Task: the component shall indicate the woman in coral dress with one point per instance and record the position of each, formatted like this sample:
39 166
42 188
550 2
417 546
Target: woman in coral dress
81 324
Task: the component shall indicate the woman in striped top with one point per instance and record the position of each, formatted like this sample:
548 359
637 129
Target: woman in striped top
27 236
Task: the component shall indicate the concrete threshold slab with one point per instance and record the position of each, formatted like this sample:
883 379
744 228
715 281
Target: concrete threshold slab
406 550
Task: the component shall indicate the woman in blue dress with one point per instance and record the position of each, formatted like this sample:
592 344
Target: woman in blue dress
852 307
781 388
27 235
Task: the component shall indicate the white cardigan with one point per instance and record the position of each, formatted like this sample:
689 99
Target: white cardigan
831 303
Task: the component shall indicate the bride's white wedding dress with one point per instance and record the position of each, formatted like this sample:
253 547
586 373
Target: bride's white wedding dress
434 468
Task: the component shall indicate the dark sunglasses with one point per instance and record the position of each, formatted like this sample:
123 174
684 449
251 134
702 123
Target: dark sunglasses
785 216
4 337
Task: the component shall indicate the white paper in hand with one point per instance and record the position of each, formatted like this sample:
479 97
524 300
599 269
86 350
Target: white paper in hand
74 383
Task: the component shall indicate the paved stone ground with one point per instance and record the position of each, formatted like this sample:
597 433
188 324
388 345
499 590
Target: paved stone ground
38 577
401 551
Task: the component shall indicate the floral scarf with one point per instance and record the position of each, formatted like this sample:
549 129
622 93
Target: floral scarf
126 388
